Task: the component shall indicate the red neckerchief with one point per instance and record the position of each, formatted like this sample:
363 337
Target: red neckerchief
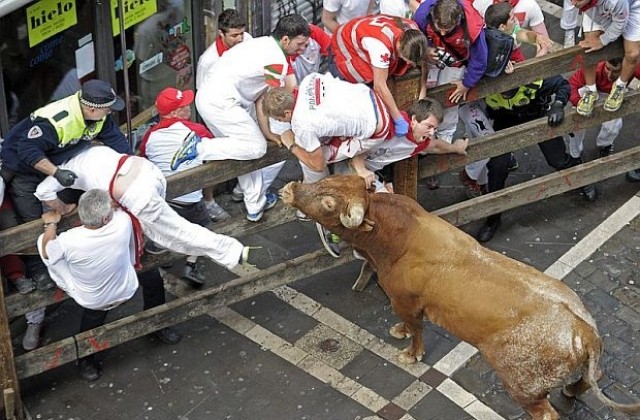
199 129
419 146
589 5
137 228
221 47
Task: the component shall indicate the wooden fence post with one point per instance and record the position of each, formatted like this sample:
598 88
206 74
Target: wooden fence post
11 404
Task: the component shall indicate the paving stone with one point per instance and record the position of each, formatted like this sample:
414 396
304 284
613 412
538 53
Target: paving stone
600 279
629 296
578 284
435 406
599 301
377 374
434 378
391 412
629 316
276 316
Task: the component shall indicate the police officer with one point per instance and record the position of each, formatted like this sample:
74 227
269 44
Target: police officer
518 106
50 136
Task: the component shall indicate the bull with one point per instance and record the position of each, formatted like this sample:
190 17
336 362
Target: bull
533 329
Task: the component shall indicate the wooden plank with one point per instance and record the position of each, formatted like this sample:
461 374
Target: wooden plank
405 177
558 62
541 188
176 311
10 403
524 135
21 304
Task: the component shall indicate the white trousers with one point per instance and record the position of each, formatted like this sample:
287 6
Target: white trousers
244 141
477 124
569 18
160 223
607 135
447 127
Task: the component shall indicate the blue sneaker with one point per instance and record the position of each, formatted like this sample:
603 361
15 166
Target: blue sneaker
272 199
187 152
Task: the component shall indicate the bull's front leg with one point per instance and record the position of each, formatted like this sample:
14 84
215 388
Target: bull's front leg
412 326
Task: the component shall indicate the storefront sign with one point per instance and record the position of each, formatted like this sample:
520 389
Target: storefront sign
49 17
135 11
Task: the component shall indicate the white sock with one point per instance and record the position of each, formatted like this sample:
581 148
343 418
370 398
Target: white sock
592 88
619 82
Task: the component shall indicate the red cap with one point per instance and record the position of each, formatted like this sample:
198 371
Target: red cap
171 99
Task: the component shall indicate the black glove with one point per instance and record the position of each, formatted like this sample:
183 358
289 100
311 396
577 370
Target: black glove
64 177
556 114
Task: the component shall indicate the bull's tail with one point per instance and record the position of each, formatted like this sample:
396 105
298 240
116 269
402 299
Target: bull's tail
592 378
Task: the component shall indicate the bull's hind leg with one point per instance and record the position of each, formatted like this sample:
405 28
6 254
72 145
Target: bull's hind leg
579 387
411 315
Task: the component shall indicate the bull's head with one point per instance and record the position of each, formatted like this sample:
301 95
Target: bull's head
334 201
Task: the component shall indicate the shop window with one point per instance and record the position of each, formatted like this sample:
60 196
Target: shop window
47 50
159 53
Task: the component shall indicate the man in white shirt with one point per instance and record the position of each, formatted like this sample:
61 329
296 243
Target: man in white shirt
231 32
94 265
230 96
139 187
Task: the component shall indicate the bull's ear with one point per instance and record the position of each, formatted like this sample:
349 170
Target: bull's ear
354 214
367 225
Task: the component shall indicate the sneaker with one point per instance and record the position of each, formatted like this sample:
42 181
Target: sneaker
154 249
24 285
216 212
168 335
331 241
569 38
633 175
272 199
90 369
615 98
187 152
473 188
43 281
606 150
513 163
31 339
587 103
589 193
302 217
237 195
191 274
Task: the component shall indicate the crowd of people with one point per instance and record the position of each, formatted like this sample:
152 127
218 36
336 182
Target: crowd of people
322 93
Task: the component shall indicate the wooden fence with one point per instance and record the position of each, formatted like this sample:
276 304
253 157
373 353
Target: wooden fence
22 237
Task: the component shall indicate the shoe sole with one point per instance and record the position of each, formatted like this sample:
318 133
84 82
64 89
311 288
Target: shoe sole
583 114
320 230
606 108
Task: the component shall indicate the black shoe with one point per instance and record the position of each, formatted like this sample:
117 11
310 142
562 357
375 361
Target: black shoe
606 150
633 175
487 230
43 281
191 274
90 370
589 193
168 335
513 163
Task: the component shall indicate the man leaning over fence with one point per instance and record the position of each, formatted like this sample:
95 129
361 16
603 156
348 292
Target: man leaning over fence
140 187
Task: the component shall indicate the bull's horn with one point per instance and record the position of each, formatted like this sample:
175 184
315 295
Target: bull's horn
354 217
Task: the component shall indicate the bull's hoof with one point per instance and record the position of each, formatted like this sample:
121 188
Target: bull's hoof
399 331
406 358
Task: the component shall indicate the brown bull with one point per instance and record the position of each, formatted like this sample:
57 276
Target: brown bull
531 328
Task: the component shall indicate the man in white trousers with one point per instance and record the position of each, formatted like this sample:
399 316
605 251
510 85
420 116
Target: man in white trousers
139 187
229 101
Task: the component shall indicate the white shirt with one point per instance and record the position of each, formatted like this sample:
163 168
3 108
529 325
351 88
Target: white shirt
328 107
95 266
245 71
208 59
162 145
528 12
347 9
